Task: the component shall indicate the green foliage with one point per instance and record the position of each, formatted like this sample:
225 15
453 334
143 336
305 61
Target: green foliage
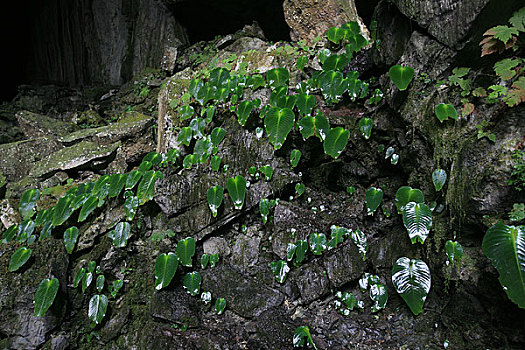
44 296
401 76
19 258
295 156
215 163
120 234
504 33
192 283
214 259
236 187
406 194
373 196
336 62
302 337
299 189
505 68
267 171
185 251
220 305
165 267
28 203
89 205
417 218
379 296
146 188
505 247
305 103
310 126
100 283
217 135
336 141
115 287
300 251
454 252
517 177
70 238
278 124
458 79
243 111
365 126
277 77
439 177
280 270
62 210
98 305
359 238
444 111
318 243
518 212
264 208
215 195
333 85
412 280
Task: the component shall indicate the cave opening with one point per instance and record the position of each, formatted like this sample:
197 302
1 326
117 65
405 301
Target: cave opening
206 19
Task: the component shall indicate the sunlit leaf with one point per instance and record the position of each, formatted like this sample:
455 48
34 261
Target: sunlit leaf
44 296
412 280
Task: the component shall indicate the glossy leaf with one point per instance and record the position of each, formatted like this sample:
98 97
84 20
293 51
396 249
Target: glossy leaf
401 76
374 196
217 135
185 135
305 104
336 141
44 296
100 283
317 243
236 187
79 276
365 126
379 296
165 267
86 281
219 76
335 34
215 163
116 184
295 156
133 178
407 194
204 260
278 124
336 62
264 209
146 188
359 238
299 189
300 251
215 195
25 229
28 203
89 205
120 234
439 177
333 85
192 283
62 210
220 305
302 337
454 251
417 218
267 171
130 206
243 111
412 280
280 270
70 238
186 250
290 251
19 258
277 77
98 305
445 111
505 247
214 259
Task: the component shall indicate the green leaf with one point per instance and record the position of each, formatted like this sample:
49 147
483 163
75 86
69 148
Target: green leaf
518 19
505 68
133 177
215 163
219 76
115 287
98 306
165 267
192 283
19 258
445 111
236 187
505 247
217 135
373 197
220 305
379 296
317 243
302 337
365 125
439 177
305 103
278 124
116 184
244 109
300 251
280 270
504 33
336 141
186 250
185 112
70 238
130 206
407 194
62 210
86 281
267 171
454 251
290 251
401 76
332 85
79 276
120 234
44 296
264 209
146 189
295 156
277 77
185 135
411 278
28 203
417 218
215 195
336 62
299 189
25 229
359 238
310 126
89 205
100 283
302 61
214 259
335 34
204 260
152 157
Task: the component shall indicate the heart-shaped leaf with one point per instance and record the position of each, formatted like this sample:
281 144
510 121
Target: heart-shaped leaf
44 296
379 296
146 188
335 34
454 251
302 337
89 205
505 247
299 189
81 273
204 260
186 250
185 112
70 238
264 209
267 171
206 93
439 177
98 305
219 76
332 85
365 126
100 283
417 218
28 203
278 124
295 156
280 270
120 234
165 267
278 77
220 305
215 195
300 251
302 61
130 206
236 187
86 281
217 135
185 135
310 126
336 62
19 258
62 210
195 86
305 103
215 163
25 230
117 183
411 278
317 243
373 197
337 235
192 283
445 111
336 141
278 96
401 76
407 194
243 111
133 178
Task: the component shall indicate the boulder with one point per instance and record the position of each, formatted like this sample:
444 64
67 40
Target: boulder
35 125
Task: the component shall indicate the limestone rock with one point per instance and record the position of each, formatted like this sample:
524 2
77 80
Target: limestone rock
344 264
35 125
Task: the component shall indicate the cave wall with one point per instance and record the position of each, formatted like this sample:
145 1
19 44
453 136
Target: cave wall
88 42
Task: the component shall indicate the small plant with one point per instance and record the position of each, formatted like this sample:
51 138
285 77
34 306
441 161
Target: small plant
517 213
220 305
517 177
165 268
482 134
302 337
374 196
412 280
280 269
439 177
45 295
401 76
445 111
